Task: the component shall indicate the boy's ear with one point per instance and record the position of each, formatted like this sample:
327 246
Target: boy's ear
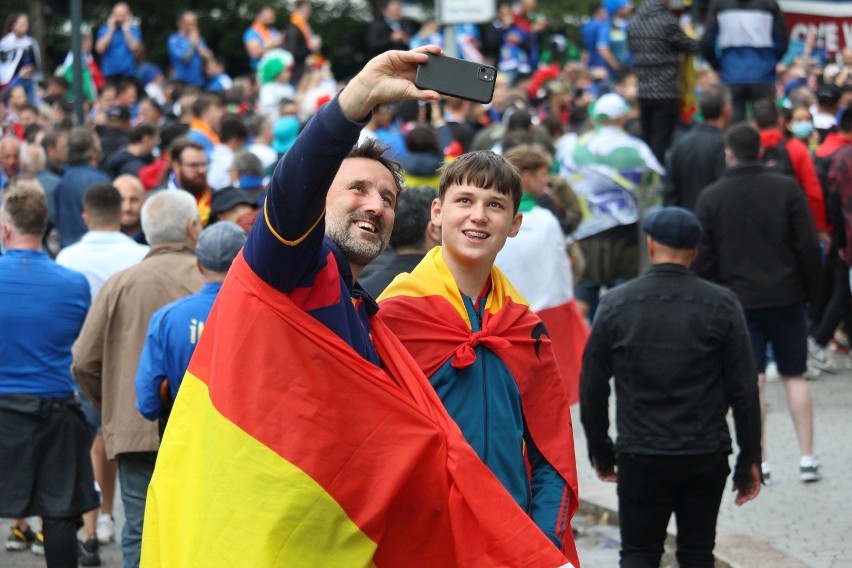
436 212
515 227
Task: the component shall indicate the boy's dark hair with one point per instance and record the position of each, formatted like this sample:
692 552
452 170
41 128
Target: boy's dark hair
102 202
744 142
372 149
413 213
483 169
528 157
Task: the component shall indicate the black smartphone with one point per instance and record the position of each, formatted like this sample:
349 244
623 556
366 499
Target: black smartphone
457 78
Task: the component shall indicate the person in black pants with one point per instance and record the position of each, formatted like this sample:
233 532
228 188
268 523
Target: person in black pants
675 378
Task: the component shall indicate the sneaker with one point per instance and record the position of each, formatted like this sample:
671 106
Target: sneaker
105 529
818 356
88 552
812 372
20 539
809 469
771 372
766 470
38 545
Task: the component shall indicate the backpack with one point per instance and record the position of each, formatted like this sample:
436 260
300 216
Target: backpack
777 159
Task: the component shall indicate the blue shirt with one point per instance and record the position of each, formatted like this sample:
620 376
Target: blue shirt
42 308
290 252
69 201
118 59
172 335
251 34
590 32
187 62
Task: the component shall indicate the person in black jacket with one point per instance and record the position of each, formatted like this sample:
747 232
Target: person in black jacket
760 241
697 158
675 378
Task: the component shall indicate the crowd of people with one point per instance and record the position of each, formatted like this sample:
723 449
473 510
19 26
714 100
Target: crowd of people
699 168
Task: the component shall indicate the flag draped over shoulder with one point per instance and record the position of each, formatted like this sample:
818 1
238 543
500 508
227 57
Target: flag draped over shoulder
427 313
286 448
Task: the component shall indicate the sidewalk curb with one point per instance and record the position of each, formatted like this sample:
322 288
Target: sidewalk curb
733 549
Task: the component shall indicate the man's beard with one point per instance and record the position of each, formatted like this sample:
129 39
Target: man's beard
196 185
358 251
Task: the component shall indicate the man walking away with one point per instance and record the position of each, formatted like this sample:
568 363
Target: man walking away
675 379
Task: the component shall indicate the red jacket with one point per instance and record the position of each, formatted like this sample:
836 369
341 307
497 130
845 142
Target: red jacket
804 170
833 142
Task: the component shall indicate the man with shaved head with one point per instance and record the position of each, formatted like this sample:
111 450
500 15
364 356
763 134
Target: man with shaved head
132 196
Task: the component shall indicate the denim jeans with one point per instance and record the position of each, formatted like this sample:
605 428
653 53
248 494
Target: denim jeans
134 474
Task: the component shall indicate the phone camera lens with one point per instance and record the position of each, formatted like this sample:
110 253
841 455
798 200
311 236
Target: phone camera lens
482 69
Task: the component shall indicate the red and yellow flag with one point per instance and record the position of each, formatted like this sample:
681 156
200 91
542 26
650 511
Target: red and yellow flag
286 448
426 311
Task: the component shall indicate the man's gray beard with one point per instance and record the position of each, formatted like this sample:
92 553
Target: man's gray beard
360 252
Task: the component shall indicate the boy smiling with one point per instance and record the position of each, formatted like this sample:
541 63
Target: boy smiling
488 356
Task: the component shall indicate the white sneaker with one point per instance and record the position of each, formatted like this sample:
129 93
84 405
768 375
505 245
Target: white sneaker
766 470
771 372
817 352
105 529
809 469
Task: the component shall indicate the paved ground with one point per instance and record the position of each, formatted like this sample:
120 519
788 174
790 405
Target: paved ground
790 524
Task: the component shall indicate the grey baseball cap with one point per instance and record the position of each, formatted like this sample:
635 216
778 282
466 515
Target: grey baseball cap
219 244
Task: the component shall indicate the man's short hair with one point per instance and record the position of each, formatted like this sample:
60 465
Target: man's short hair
81 141
166 214
413 213
142 130
765 113
247 164
204 102
713 100
102 202
52 136
258 123
33 158
528 157
372 149
25 208
170 133
232 127
154 104
483 169
180 145
422 138
744 142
